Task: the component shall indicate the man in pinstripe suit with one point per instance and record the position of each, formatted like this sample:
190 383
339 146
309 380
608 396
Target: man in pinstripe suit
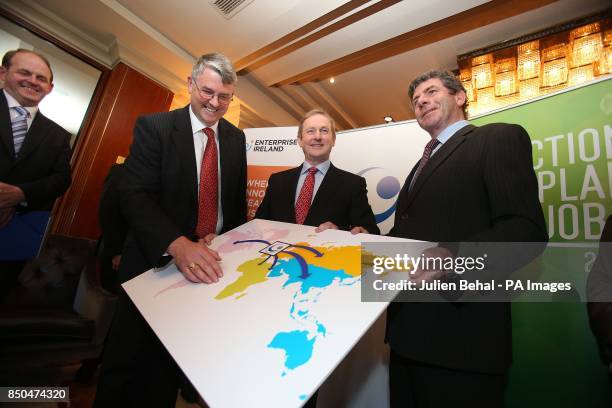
473 184
166 185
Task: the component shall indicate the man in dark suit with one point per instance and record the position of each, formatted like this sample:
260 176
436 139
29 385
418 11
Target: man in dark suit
473 184
184 181
336 199
317 193
34 151
114 228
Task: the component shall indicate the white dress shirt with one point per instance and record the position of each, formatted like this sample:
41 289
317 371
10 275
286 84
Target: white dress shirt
12 102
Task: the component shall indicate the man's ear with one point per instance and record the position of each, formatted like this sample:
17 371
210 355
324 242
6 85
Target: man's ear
460 98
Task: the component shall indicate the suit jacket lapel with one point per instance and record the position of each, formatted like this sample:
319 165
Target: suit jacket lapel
225 159
436 160
326 190
6 131
182 136
402 198
36 134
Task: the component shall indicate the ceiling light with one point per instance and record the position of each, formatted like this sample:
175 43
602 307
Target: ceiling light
388 119
332 80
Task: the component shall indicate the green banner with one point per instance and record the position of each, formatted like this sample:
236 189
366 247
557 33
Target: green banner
571 136
556 362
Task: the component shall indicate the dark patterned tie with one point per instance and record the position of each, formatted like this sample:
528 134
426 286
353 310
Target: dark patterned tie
429 147
305 198
19 126
209 190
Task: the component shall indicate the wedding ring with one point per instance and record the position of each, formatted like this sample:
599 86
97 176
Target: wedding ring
191 265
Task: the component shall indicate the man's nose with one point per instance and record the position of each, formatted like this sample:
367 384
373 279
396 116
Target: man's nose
216 99
422 102
32 78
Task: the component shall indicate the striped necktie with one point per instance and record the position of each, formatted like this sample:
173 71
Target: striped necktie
429 148
19 126
305 198
208 198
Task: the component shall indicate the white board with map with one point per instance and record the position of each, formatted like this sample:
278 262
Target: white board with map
284 315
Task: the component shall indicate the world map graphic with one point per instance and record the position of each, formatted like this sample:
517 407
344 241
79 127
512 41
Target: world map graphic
277 325
305 270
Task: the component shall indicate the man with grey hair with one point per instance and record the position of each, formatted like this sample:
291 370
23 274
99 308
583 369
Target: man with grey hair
473 184
184 182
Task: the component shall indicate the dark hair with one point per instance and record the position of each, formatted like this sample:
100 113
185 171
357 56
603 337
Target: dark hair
316 112
8 58
449 81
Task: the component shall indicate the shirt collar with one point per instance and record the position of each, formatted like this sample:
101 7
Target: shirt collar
451 130
322 167
197 125
12 102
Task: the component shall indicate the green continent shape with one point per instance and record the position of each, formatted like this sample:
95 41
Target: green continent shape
252 274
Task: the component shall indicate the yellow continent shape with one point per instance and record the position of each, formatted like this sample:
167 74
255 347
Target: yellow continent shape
346 258
252 274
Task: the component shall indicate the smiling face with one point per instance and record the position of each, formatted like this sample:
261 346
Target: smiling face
435 107
27 79
209 109
317 139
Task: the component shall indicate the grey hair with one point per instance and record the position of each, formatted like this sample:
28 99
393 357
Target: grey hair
449 81
218 63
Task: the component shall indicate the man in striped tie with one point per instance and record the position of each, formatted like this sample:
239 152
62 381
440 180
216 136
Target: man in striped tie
472 185
34 150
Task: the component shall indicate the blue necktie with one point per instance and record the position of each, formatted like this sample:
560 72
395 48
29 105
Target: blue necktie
20 127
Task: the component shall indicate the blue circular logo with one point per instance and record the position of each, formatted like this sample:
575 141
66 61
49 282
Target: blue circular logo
387 188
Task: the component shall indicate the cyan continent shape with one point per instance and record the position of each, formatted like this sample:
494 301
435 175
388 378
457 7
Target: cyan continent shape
339 265
298 349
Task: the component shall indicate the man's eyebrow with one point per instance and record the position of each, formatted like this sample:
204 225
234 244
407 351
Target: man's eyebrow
424 91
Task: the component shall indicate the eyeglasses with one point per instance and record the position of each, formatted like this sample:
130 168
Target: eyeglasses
206 93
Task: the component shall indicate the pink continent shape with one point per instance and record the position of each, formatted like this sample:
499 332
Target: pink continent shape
228 246
269 235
